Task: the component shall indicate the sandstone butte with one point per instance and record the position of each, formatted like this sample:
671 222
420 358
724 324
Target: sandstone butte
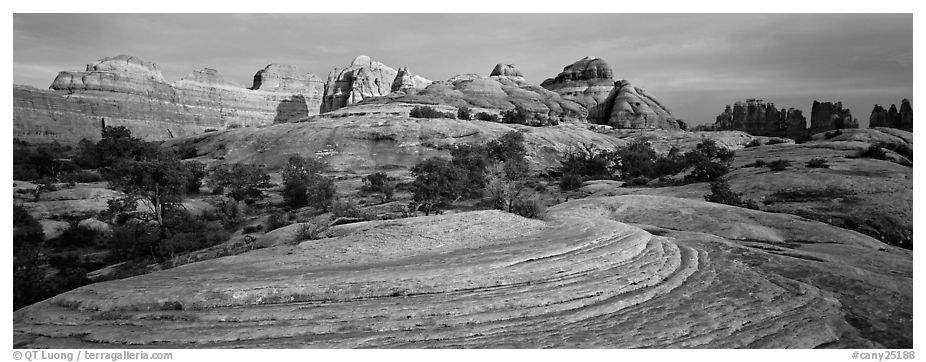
589 81
608 272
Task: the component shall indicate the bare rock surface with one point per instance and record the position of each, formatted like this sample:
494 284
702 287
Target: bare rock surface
362 138
127 91
617 272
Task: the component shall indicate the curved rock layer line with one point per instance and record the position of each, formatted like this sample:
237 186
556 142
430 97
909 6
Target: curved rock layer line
489 279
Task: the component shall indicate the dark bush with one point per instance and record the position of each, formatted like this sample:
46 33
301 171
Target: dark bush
252 229
518 115
638 181
488 117
875 152
186 150
374 182
779 165
437 183
473 161
710 161
817 163
530 208
722 194
275 221
570 181
81 176
425 112
464 113
75 236
348 209
241 181
808 195
588 164
303 185
775 141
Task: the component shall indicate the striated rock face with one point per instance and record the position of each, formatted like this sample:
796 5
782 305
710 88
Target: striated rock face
608 272
492 94
365 78
632 107
589 81
761 119
506 70
127 91
829 116
892 118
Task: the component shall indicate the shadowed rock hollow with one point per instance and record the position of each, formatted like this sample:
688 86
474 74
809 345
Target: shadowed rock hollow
618 272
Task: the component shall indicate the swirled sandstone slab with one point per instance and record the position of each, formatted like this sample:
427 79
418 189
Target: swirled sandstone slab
617 272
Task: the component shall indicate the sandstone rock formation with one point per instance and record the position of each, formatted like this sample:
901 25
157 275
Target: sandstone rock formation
506 70
616 272
892 118
365 78
759 118
359 140
491 94
127 91
828 116
589 81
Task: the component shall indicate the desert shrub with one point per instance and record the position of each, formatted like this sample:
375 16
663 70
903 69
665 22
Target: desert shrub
530 208
275 221
900 149
637 159
488 117
437 183
464 113
875 152
186 150
518 115
75 236
587 163
808 194
817 163
227 211
189 235
754 143
133 241
303 185
425 112
722 194
710 161
775 141
310 231
472 160
81 176
779 165
252 229
234 126
116 144
638 181
195 172
570 181
240 181
347 208
33 162
374 182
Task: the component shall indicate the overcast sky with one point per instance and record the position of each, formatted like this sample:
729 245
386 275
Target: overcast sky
694 63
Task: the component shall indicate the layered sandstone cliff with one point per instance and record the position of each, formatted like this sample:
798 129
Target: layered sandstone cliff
892 118
589 81
127 91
